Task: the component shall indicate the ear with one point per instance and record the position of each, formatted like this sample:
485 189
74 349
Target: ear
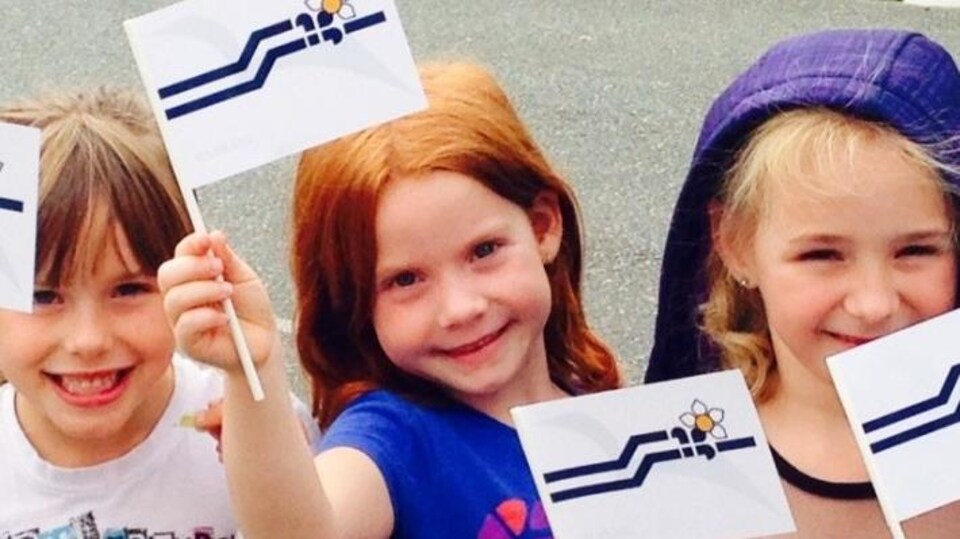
547 223
734 254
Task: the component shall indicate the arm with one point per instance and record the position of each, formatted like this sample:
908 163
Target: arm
267 460
210 421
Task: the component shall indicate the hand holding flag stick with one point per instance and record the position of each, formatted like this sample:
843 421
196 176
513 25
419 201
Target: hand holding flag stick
243 351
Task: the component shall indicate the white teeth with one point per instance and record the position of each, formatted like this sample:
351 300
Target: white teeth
88 385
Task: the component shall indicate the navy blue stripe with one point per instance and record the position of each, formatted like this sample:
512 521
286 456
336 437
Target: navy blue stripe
365 22
618 464
243 88
646 464
11 205
916 432
637 480
739 443
231 69
949 385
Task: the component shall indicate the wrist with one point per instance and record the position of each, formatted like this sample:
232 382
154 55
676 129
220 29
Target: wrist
262 362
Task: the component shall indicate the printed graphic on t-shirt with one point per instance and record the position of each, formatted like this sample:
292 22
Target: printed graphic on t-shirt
85 527
516 519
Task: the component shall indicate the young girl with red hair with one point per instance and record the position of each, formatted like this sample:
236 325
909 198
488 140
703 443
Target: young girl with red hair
437 260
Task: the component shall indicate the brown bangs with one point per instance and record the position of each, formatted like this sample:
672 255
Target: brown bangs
102 166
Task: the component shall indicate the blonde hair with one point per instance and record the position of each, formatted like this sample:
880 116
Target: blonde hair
783 151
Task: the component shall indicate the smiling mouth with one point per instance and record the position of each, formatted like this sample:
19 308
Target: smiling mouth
91 389
850 339
478 344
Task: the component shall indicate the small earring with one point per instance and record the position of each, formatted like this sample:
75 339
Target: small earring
744 282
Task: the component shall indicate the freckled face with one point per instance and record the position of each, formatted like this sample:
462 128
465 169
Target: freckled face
462 293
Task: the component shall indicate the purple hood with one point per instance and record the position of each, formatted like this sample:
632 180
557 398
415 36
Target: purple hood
898 78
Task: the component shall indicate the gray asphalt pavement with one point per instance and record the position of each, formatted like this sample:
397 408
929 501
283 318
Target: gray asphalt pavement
614 91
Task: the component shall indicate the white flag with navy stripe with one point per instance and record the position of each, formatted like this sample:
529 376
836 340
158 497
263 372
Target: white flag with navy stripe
236 84
19 179
902 397
685 458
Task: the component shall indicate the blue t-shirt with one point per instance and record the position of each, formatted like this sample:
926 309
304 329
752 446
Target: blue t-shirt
452 472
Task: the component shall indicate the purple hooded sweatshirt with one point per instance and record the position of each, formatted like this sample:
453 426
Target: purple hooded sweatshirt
898 78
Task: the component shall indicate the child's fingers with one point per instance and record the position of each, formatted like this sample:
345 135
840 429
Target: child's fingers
194 294
186 268
235 269
250 298
204 335
212 417
195 243
196 325
211 422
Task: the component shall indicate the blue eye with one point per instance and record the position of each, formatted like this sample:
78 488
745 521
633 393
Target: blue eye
131 289
485 249
403 279
46 297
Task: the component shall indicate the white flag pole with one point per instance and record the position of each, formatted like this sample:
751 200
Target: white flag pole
886 505
196 219
239 341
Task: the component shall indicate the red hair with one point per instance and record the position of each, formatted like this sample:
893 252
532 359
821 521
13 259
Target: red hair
470 128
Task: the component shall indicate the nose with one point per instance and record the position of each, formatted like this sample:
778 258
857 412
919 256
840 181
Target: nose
88 331
873 296
460 302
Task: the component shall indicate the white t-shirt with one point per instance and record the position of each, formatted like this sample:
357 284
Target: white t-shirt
171 486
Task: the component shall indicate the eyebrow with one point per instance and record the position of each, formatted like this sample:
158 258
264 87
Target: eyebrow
127 274
928 235
918 235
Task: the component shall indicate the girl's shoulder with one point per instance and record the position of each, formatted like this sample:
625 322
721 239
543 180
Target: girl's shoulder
388 410
390 430
408 410
423 450
383 397
390 418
